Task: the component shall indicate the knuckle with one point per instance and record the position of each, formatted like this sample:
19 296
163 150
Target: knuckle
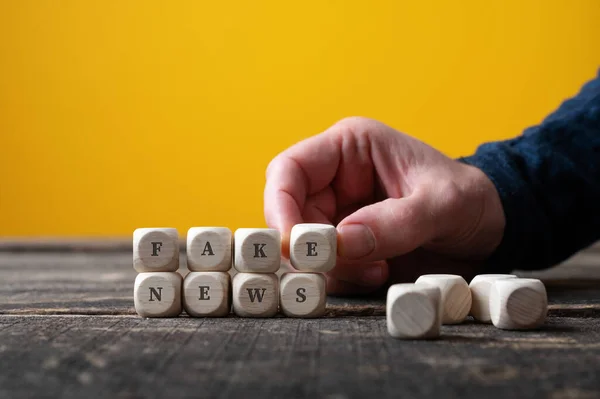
358 129
355 125
355 121
273 165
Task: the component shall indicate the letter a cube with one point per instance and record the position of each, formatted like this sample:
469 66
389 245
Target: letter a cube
209 249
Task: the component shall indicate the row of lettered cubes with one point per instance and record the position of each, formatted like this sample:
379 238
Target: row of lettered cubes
255 291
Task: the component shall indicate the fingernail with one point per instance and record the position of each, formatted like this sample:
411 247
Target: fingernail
356 241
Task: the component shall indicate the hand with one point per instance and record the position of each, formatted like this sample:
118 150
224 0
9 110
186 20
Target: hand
402 208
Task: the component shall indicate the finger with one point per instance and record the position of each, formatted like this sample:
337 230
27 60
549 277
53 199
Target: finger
343 213
354 180
388 228
375 162
297 173
320 208
284 200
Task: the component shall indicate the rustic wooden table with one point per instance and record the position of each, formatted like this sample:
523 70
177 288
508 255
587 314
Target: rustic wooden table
68 329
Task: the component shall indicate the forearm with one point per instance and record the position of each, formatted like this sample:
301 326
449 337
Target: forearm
548 180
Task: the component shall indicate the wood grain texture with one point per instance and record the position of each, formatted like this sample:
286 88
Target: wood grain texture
257 250
207 294
302 294
68 329
157 294
313 247
155 249
518 304
129 357
209 249
456 296
414 311
480 295
255 294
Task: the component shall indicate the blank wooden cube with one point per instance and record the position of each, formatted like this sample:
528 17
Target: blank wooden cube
518 303
209 249
155 250
255 294
157 294
456 296
480 294
413 311
257 250
207 294
313 247
302 294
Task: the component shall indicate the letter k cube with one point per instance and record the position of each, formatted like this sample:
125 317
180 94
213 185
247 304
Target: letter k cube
257 250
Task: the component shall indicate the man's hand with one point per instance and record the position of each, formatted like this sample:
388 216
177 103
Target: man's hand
401 208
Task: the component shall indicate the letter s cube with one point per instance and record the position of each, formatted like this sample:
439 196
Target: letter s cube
303 294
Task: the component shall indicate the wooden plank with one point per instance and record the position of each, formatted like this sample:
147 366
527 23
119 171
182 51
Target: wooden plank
124 356
68 329
65 244
102 283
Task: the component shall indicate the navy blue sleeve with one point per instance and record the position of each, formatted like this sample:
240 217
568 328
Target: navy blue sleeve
548 180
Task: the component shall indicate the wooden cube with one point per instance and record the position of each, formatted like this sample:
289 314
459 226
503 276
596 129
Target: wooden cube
480 294
157 294
255 294
313 247
302 294
155 250
257 250
518 303
207 294
209 249
413 311
456 296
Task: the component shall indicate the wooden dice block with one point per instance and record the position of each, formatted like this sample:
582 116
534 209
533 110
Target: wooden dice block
257 250
413 311
209 249
207 294
518 303
313 247
456 296
255 294
480 294
155 250
157 294
302 294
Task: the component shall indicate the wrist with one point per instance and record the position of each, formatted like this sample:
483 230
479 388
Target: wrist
471 224
489 226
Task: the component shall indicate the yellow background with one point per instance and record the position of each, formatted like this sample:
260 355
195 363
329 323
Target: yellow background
122 114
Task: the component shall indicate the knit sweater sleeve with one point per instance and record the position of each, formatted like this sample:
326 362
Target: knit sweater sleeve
548 180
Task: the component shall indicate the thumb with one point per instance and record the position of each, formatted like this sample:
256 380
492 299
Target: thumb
387 229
